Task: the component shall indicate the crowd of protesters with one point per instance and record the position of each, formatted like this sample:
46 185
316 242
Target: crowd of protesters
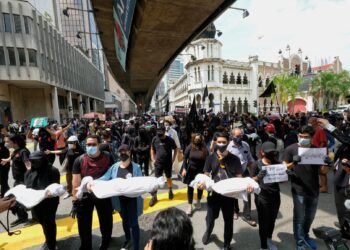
219 145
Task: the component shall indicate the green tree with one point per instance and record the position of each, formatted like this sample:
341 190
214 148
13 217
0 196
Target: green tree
286 88
331 87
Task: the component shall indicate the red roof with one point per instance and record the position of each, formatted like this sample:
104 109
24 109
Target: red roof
323 67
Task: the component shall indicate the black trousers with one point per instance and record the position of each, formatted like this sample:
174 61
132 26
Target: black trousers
4 176
19 209
340 195
215 203
84 215
46 214
144 164
267 207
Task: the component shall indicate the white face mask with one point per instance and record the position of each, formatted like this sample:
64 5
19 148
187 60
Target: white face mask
71 146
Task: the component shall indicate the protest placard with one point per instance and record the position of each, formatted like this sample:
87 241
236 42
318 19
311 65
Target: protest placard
275 173
312 156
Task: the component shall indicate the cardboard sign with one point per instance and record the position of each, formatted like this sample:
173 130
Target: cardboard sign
275 173
39 122
312 156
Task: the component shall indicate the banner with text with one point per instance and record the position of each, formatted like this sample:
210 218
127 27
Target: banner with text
123 12
312 156
275 173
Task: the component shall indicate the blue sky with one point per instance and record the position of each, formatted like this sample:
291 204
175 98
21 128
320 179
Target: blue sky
319 27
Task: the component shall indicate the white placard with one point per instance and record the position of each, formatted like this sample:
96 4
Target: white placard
275 173
312 156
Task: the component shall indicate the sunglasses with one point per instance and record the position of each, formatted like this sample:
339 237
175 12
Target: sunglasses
91 145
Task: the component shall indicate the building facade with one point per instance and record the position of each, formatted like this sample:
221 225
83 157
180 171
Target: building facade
41 73
233 86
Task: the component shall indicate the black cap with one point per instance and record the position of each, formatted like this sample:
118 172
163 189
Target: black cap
123 147
37 155
268 147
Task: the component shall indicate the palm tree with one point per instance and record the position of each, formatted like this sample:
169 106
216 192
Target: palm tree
287 87
331 87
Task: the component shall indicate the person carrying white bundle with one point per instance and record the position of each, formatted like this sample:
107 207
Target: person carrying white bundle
221 165
131 187
129 208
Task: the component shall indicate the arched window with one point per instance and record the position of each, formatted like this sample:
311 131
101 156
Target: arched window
211 100
232 79
260 84
239 79
225 78
199 74
208 73
212 72
245 79
195 74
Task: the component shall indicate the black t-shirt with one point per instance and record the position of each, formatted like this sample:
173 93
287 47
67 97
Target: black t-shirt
125 172
305 182
163 149
228 167
94 167
19 157
72 154
267 189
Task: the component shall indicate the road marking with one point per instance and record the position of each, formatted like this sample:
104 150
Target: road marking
66 227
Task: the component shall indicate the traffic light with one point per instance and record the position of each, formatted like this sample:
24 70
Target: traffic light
255 104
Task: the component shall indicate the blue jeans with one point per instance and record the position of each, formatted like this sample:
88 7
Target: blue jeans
303 216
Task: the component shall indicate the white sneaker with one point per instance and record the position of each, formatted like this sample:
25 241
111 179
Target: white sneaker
67 196
189 210
271 245
198 205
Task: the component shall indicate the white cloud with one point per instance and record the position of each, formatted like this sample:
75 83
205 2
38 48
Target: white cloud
319 27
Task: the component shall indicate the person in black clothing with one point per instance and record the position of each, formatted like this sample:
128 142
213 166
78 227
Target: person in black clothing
193 164
4 169
40 175
162 147
73 152
305 189
221 165
95 164
20 164
268 200
341 174
142 149
46 139
292 135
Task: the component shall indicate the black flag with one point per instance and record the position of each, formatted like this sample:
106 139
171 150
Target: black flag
193 111
205 94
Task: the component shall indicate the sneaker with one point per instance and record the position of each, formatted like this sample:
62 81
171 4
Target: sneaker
19 221
67 196
189 210
198 205
44 247
171 194
153 201
206 238
126 245
310 243
271 245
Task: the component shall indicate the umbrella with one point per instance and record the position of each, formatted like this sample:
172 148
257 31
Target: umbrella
94 115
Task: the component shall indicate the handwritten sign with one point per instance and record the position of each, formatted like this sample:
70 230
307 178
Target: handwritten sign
275 173
312 156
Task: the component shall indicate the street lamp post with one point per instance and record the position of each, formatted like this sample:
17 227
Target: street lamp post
245 11
66 13
301 61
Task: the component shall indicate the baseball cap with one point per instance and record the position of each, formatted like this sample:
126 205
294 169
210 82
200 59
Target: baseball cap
268 147
72 138
270 128
123 147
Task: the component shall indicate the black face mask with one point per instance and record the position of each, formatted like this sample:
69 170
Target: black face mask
197 143
36 164
221 147
271 155
124 157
